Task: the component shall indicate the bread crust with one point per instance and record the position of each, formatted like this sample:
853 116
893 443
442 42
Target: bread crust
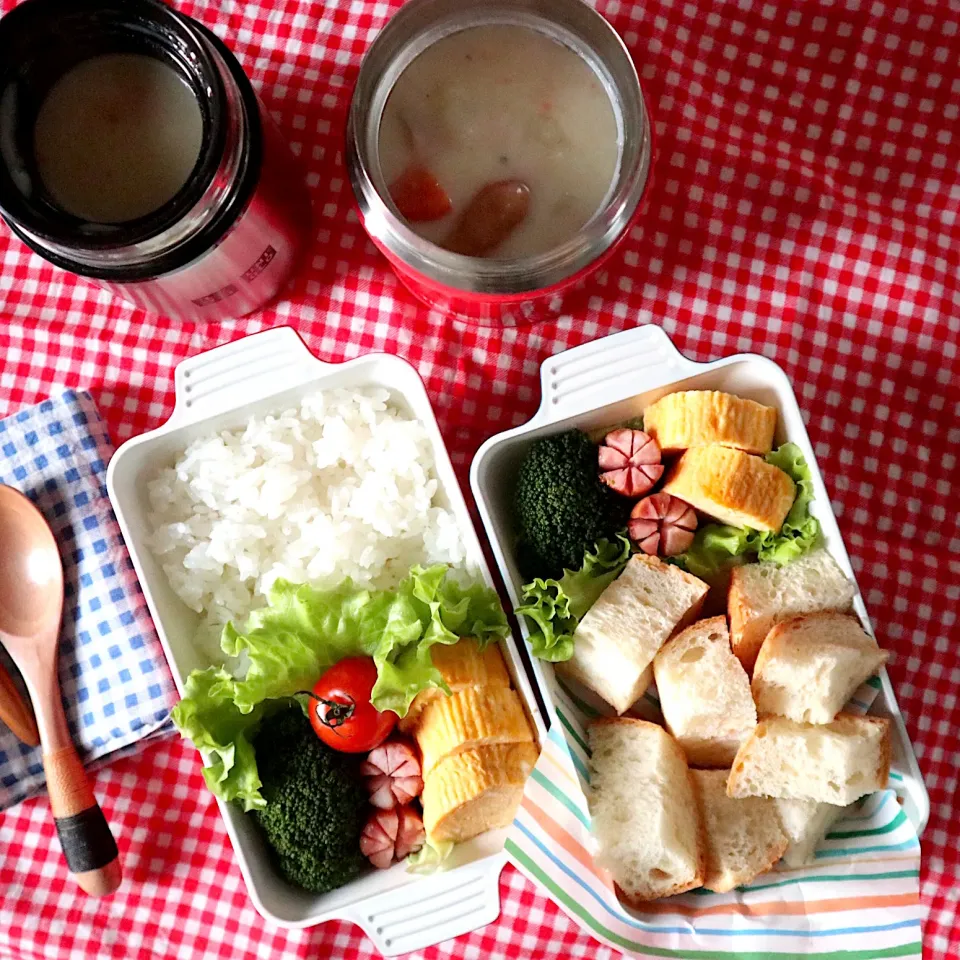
718 622
791 623
613 721
883 767
645 896
704 588
704 746
750 623
636 899
742 613
701 874
766 650
886 757
733 781
886 749
778 638
739 879
635 649
774 853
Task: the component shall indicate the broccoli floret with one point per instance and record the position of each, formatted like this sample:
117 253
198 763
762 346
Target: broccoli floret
562 507
315 804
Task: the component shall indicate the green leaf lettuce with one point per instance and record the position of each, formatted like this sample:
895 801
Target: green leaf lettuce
556 606
303 631
800 531
717 545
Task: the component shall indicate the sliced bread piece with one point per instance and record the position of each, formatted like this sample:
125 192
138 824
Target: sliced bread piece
732 486
617 639
809 667
461 665
705 694
692 418
472 717
837 762
644 810
477 790
806 823
744 837
761 594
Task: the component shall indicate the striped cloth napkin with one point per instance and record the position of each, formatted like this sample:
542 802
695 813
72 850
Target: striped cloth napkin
859 899
113 676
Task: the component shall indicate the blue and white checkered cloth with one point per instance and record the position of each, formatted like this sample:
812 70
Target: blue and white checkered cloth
116 687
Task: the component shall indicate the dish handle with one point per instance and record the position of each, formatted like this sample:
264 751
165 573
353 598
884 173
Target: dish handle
608 370
435 908
242 372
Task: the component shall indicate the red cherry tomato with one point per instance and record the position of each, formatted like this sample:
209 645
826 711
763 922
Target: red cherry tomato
419 196
340 710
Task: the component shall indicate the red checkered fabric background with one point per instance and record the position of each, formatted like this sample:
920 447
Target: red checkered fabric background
806 207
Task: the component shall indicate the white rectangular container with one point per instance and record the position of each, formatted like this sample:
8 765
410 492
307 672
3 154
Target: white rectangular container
221 389
613 379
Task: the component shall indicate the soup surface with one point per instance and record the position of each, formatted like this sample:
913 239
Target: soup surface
500 104
117 137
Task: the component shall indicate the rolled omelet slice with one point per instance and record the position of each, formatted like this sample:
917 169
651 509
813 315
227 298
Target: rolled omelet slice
693 418
472 717
476 790
461 665
732 486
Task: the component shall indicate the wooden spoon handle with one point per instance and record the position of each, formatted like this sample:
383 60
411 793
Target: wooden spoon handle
15 713
88 845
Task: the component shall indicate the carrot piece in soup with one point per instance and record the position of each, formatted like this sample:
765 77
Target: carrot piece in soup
418 195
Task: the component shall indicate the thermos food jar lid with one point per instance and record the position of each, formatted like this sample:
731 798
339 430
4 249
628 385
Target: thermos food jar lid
418 25
40 41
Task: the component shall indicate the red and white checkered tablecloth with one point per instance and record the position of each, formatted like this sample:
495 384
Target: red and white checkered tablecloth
807 207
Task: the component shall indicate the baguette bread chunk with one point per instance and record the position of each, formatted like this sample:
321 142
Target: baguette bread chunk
476 790
473 717
617 639
692 418
732 486
744 838
809 667
837 762
762 594
644 810
461 665
705 694
806 823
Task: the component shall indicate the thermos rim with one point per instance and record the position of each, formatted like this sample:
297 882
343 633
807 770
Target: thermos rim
92 27
54 244
417 25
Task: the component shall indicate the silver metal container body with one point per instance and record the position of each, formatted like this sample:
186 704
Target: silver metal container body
226 243
491 290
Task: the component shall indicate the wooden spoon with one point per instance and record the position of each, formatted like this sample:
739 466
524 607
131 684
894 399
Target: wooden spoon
31 604
16 714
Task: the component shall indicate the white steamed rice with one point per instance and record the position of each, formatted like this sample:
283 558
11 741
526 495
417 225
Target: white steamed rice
343 487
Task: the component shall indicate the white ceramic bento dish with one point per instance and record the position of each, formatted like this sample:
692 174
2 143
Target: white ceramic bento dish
220 389
613 379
